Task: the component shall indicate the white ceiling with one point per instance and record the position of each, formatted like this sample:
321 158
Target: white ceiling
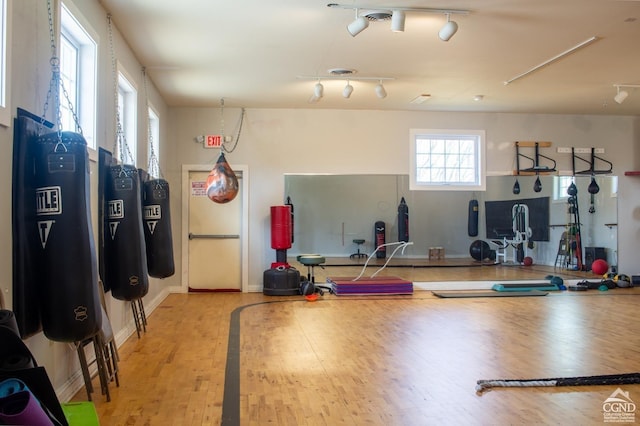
253 52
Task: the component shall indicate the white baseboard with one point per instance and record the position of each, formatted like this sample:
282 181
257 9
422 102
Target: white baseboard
76 382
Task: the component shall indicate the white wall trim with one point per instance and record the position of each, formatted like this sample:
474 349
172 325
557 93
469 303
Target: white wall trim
75 382
244 237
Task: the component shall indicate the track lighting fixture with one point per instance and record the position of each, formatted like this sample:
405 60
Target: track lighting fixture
448 30
397 16
347 91
552 60
621 95
380 92
397 21
358 25
318 88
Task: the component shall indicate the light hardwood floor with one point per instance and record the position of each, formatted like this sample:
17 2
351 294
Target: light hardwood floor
250 359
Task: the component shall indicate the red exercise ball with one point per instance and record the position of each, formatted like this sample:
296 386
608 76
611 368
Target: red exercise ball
599 267
527 261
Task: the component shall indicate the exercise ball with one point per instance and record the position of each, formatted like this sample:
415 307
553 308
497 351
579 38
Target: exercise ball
527 261
480 250
599 266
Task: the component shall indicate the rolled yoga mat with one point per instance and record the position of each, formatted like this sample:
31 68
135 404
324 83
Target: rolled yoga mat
18 406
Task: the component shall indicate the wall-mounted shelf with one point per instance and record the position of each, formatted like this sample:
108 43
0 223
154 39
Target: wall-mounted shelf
632 173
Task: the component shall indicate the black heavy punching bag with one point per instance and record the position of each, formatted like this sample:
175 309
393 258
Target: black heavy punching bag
290 204
125 258
65 254
403 221
472 219
379 232
26 307
157 228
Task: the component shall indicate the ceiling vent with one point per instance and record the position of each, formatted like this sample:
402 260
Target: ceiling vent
377 15
341 72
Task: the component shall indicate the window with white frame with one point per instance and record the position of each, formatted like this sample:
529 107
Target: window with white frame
78 64
127 106
447 160
154 142
560 186
5 32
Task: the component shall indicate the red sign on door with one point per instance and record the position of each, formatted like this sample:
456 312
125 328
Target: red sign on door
213 141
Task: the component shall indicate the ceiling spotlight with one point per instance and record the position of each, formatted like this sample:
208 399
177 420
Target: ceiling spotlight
380 92
620 96
397 21
358 25
318 90
347 91
448 30
397 16
345 75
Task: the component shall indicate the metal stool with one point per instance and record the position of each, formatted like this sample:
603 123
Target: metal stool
311 261
358 255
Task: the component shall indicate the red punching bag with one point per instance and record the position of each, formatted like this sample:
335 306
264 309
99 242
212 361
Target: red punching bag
280 227
222 183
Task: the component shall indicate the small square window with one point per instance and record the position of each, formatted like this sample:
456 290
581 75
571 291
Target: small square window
447 160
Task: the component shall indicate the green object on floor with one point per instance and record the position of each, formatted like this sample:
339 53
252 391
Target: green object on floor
81 413
525 287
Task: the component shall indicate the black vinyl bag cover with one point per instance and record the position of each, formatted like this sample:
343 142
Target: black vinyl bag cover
62 239
25 282
125 258
157 228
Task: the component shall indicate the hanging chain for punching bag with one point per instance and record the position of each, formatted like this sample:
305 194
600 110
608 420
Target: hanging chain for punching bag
56 84
156 211
222 182
120 146
69 301
154 164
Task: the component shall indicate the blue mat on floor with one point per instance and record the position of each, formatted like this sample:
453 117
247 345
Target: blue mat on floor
525 287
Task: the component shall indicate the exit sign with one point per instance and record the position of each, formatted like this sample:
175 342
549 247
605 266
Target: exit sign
213 141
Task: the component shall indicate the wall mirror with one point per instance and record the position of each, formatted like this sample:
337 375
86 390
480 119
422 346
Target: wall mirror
330 211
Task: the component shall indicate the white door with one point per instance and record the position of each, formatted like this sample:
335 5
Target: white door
214 238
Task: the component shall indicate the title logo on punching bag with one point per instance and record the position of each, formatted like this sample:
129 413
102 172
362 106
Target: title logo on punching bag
116 211
152 214
48 202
